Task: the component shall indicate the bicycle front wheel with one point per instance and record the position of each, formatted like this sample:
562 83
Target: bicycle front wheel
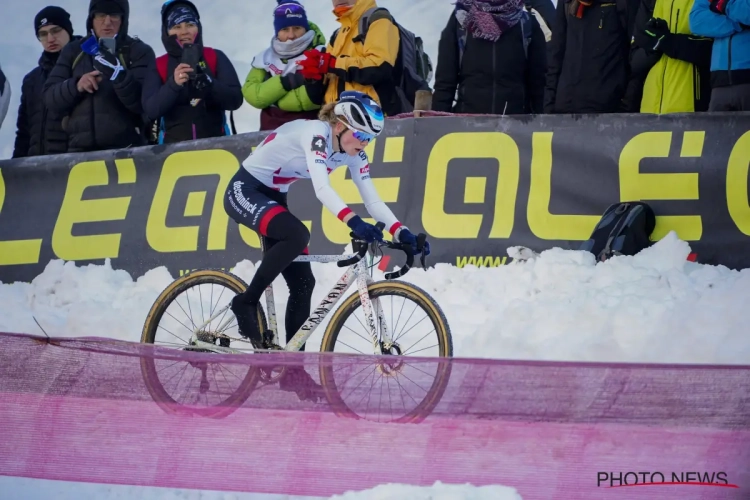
391 388
196 386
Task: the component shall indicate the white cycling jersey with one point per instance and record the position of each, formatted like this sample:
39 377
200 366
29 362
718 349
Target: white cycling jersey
302 149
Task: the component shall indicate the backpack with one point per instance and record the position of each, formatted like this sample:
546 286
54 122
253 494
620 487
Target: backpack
162 63
413 68
624 229
526 29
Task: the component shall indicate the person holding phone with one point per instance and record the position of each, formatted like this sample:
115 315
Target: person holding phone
96 83
189 89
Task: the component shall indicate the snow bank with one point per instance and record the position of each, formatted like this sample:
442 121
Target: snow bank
437 491
42 489
560 305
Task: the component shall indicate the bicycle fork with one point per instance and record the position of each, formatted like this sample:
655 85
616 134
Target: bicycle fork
381 344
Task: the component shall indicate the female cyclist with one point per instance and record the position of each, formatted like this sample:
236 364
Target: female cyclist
257 198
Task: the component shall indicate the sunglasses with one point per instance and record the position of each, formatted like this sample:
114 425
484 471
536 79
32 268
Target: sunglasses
358 134
287 9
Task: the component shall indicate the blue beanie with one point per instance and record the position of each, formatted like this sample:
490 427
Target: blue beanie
289 13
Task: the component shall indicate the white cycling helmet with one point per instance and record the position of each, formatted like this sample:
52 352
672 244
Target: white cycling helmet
362 113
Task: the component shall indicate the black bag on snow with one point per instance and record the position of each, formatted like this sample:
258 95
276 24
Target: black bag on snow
624 229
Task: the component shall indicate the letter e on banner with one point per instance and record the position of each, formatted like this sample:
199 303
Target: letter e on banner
76 210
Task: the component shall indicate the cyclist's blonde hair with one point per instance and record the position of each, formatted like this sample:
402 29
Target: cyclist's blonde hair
326 114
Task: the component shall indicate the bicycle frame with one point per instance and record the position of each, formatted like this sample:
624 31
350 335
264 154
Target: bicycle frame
356 271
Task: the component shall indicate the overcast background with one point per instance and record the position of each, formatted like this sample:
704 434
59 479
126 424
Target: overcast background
240 28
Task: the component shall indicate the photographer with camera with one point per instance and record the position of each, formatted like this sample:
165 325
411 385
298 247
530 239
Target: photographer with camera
189 89
96 83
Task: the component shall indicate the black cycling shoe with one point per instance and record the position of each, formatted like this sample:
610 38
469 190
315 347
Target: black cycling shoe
247 320
297 380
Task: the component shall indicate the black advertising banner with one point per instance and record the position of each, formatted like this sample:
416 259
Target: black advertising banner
475 185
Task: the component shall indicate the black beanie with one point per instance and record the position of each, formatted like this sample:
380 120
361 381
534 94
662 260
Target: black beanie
105 7
53 15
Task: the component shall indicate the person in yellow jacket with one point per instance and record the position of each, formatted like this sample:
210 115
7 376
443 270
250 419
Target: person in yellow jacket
349 63
669 65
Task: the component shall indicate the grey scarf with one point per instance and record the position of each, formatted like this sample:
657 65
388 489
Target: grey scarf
292 48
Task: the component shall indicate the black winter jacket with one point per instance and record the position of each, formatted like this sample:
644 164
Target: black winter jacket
111 117
588 67
39 131
190 113
494 77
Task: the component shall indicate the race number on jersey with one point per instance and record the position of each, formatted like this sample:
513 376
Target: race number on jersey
319 145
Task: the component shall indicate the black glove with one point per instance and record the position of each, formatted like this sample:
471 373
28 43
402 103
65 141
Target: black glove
363 230
292 81
316 90
718 6
202 79
406 236
109 66
655 31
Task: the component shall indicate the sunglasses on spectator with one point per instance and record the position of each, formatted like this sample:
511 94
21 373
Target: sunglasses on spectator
289 8
101 16
42 35
358 134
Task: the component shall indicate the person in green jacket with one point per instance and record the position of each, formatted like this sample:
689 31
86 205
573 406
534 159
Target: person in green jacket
274 83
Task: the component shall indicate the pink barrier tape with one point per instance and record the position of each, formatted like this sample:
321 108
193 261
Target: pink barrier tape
98 410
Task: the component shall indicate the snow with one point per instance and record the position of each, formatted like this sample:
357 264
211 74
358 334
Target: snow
559 305
36 489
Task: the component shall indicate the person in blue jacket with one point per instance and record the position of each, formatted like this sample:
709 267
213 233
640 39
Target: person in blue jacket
728 23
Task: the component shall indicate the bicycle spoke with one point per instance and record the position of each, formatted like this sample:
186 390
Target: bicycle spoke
172 334
210 385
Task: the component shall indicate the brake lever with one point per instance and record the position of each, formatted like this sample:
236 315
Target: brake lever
421 239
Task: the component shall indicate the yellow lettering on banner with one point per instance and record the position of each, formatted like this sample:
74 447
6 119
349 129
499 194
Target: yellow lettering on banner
338 232
737 172
543 224
187 164
18 251
394 150
76 210
495 145
635 186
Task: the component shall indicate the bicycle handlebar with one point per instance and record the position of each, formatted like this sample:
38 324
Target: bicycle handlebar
362 248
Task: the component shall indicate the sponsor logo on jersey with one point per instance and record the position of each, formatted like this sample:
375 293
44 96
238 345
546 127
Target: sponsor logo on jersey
365 170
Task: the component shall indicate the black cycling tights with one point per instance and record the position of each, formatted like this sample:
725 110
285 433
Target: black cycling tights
286 237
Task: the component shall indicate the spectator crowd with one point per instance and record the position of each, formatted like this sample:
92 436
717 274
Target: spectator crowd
107 89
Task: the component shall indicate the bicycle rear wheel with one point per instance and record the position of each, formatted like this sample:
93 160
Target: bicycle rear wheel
389 377
205 388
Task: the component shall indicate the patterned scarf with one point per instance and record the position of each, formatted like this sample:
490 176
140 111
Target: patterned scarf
488 19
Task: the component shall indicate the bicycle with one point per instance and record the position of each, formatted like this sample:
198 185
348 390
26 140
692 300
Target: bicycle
369 295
